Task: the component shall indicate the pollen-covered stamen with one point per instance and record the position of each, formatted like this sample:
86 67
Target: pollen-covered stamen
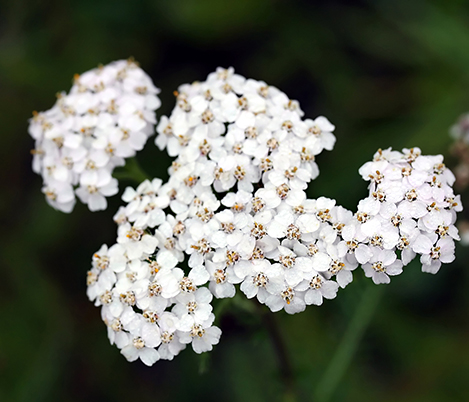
135 234
379 195
179 228
150 316
154 267
336 267
377 177
172 194
290 173
205 147
128 298
316 282
217 173
352 245
260 280
169 243
291 105
362 217
263 91
205 215
324 215
87 131
237 207
293 232
442 230
228 227
186 285
106 297
378 266
191 181
288 295
110 149
141 90
266 165
51 195
312 249
90 165
138 342
202 246
287 125
184 105
272 143
435 182
402 243
197 331
283 191
433 206
306 155
175 165
435 253
406 171
168 130
112 108
412 155
191 307
411 195
258 231
102 262
131 276
451 203
207 116
237 148
257 254
227 88
166 337
92 189
239 173
208 95
67 162
220 276
116 325
183 140
338 226
154 289
91 278
396 220
299 210
376 240
314 129
257 204
243 103
232 257
251 132
288 261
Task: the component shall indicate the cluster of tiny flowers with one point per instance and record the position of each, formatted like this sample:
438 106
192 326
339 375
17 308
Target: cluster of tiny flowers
411 210
107 117
151 307
235 211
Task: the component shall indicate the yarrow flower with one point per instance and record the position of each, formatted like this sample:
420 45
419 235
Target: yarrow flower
106 117
234 215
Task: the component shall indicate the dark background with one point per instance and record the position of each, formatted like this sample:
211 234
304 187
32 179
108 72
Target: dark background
386 73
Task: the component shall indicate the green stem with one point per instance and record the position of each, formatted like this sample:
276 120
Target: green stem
131 171
348 345
280 349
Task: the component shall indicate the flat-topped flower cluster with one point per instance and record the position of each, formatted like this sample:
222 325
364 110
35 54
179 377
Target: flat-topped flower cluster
234 215
107 117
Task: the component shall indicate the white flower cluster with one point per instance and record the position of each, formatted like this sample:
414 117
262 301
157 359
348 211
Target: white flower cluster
235 204
107 117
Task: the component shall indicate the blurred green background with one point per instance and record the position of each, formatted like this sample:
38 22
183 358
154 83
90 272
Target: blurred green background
386 73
